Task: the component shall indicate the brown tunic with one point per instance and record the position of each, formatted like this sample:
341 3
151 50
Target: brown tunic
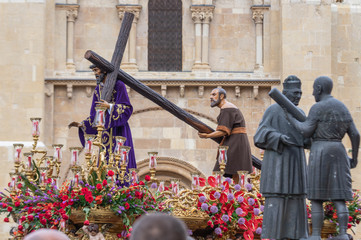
239 152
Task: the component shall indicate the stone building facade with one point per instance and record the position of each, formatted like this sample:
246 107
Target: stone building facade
245 46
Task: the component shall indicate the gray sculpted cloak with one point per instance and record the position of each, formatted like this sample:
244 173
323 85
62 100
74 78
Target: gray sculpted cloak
239 151
283 177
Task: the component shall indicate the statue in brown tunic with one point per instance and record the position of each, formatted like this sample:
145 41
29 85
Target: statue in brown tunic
232 127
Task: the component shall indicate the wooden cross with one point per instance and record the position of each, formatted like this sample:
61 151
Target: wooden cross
114 73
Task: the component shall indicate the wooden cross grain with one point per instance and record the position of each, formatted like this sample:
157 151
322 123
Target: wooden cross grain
114 73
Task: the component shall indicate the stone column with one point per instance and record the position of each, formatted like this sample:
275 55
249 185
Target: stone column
208 16
71 16
129 61
202 16
197 17
257 15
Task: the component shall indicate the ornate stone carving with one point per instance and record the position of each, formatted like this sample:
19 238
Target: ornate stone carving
255 92
181 90
72 14
237 89
257 16
88 91
69 90
135 9
202 13
49 89
200 91
163 89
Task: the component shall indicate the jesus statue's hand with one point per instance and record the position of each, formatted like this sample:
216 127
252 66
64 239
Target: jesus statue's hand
103 103
75 124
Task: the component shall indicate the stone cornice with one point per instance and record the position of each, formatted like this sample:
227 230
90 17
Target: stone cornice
173 82
67 6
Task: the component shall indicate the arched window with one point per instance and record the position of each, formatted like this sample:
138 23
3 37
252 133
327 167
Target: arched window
165 35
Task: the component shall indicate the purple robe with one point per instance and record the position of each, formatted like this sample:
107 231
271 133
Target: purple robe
116 120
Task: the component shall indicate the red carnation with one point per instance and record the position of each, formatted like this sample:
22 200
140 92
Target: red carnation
127 206
10 209
105 182
43 221
147 178
349 225
20 227
5 205
30 218
141 183
89 198
65 197
20 185
350 218
138 194
23 218
99 186
84 190
65 217
86 222
110 173
17 204
6 219
119 235
209 223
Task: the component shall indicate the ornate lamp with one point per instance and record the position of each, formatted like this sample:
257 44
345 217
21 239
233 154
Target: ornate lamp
243 178
175 186
222 158
195 181
17 156
152 165
74 151
134 175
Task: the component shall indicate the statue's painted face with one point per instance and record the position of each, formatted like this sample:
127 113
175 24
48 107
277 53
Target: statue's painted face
214 97
294 95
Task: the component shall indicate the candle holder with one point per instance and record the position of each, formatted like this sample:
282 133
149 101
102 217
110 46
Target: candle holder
43 177
17 156
134 175
175 186
243 178
76 169
124 177
152 165
58 155
12 186
222 158
74 151
195 181
218 176
119 142
99 124
35 130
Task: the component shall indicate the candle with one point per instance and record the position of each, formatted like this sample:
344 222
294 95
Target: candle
175 186
195 181
17 152
161 187
119 143
29 161
35 126
222 154
74 155
58 155
152 159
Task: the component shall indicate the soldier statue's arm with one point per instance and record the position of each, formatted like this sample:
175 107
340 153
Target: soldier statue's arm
355 143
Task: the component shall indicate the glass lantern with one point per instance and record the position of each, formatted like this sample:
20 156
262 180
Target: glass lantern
222 154
100 116
74 151
58 155
195 181
29 161
17 152
35 126
89 143
124 151
119 142
175 186
161 186
152 159
134 175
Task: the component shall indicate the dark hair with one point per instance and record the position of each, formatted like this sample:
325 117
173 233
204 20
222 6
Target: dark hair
159 227
93 227
222 91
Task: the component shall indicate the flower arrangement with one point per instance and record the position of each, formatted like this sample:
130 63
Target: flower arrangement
330 213
232 207
33 208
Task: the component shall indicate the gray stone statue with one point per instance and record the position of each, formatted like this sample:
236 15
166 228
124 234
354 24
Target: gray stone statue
283 177
329 166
